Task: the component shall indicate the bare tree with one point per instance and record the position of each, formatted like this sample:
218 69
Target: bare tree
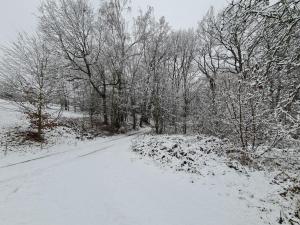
30 71
74 31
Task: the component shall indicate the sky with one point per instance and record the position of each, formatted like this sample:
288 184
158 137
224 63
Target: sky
19 15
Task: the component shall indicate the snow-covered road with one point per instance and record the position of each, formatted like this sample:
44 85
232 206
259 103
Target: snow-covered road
105 183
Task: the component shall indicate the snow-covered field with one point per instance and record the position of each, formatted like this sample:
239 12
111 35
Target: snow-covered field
102 181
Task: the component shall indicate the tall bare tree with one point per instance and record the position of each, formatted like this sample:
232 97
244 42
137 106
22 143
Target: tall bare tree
29 72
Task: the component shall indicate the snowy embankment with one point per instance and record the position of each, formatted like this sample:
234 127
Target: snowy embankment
211 161
13 143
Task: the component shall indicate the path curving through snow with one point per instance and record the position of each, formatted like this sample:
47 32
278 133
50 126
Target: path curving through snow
104 183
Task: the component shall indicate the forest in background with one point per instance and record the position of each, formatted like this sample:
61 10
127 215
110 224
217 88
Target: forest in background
235 76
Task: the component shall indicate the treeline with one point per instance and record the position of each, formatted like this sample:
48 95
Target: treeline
236 75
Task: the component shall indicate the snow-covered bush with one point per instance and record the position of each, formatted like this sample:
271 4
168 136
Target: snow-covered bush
183 153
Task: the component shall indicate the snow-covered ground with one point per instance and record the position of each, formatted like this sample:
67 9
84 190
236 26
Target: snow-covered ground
271 185
102 181
9 114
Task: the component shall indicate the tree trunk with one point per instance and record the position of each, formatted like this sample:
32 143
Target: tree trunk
104 105
40 119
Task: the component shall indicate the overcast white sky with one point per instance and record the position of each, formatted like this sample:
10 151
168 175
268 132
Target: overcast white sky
18 15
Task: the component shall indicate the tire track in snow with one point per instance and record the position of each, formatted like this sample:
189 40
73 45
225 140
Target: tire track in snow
93 152
60 153
53 165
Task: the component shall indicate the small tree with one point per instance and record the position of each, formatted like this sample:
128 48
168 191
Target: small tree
29 72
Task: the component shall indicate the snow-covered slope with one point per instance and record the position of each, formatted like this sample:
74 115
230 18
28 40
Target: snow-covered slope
9 114
269 183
